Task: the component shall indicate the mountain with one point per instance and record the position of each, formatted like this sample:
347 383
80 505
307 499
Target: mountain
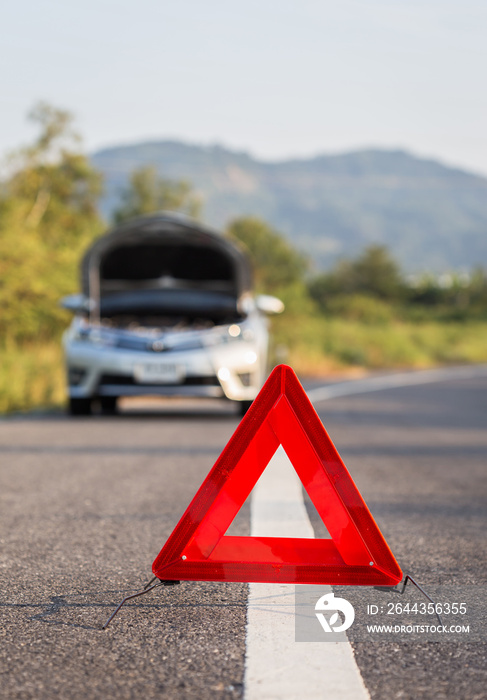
430 216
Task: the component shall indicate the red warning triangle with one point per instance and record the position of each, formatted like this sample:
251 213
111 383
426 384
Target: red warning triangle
356 554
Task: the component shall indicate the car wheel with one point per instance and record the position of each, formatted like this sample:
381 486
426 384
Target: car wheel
108 405
79 407
243 407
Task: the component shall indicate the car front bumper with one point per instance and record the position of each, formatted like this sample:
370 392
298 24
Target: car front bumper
231 372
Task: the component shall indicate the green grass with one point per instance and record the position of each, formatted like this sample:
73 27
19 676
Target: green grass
316 345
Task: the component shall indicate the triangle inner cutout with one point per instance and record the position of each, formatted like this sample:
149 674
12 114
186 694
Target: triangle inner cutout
278 505
356 552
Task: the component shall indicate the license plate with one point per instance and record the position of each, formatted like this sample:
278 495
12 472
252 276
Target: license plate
158 373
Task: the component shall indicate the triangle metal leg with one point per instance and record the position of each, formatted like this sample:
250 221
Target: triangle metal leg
147 589
401 587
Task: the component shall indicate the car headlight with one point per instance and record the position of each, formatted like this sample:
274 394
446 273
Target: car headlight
234 331
94 335
229 335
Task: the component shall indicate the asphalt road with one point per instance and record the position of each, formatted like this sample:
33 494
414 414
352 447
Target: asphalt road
86 504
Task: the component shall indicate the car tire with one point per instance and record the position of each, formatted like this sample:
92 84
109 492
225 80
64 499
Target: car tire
243 407
79 407
108 405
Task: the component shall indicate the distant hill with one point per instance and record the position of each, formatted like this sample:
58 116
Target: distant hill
430 216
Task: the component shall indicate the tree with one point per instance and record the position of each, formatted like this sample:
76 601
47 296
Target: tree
48 215
374 273
276 263
147 192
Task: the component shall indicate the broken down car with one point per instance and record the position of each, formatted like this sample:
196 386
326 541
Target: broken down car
166 308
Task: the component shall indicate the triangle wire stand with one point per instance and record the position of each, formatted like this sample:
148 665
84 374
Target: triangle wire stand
150 586
147 589
401 587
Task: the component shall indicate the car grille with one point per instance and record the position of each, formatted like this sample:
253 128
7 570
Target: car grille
145 345
124 380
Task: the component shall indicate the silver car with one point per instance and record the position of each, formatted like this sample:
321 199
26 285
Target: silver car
166 309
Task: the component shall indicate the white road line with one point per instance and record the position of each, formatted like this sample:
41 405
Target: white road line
392 381
277 667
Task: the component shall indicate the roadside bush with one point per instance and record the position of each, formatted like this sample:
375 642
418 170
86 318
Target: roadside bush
31 376
358 307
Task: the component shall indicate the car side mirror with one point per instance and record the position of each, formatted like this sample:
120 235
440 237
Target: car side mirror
77 303
269 305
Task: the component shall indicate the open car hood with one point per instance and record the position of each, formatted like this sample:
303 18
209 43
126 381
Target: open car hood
164 263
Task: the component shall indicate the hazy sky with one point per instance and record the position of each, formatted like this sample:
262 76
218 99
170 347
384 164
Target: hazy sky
274 77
